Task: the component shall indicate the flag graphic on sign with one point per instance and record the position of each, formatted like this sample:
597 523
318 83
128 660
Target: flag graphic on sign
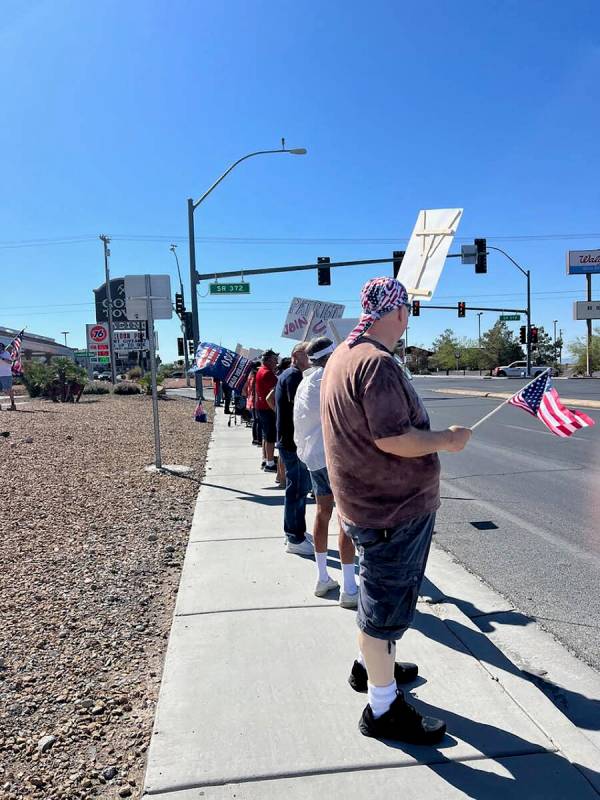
17 367
207 354
222 364
541 400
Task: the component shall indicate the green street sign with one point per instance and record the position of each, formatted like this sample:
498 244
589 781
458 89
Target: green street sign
82 353
510 317
230 288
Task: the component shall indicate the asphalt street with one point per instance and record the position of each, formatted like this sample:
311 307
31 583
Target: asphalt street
586 388
521 508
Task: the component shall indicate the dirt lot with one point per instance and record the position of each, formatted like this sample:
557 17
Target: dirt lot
91 549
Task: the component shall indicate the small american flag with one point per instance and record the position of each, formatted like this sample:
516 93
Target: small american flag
540 399
207 355
17 367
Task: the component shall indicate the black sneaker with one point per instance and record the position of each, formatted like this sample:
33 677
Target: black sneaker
402 723
404 672
267 468
263 464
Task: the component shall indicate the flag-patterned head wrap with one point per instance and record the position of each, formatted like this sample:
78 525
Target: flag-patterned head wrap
379 296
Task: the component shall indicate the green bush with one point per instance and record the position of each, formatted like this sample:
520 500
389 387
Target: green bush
135 373
36 377
52 380
96 387
127 387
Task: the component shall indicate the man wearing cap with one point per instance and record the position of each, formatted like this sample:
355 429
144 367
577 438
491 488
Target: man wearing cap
384 471
264 383
308 435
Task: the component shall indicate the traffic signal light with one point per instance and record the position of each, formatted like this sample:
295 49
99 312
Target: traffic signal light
179 306
481 258
533 335
523 334
188 325
416 308
190 347
398 256
324 273
180 346
462 308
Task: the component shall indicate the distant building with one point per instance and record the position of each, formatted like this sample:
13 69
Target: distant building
417 359
36 347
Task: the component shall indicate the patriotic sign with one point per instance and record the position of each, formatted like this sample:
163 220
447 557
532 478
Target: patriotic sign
541 400
17 367
224 365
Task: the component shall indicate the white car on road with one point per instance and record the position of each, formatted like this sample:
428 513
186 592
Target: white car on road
518 369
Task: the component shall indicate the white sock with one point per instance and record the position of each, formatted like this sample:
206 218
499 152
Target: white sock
349 579
381 697
270 463
321 559
361 659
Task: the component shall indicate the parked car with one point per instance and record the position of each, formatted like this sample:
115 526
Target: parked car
518 369
104 376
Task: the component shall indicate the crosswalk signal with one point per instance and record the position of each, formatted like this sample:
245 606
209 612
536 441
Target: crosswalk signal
179 306
462 308
481 256
416 308
533 335
398 255
324 273
523 334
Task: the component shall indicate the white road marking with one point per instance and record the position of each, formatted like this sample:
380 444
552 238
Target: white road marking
542 433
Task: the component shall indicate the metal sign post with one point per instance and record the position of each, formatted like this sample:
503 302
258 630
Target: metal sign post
150 317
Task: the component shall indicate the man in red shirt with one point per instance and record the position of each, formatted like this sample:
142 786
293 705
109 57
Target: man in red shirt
265 382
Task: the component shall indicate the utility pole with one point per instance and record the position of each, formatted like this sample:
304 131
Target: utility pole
186 361
479 313
65 333
113 367
588 279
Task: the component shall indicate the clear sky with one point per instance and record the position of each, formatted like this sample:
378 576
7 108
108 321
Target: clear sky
115 112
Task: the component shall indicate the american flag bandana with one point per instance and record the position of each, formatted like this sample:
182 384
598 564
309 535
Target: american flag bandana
541 400
17 367
379 296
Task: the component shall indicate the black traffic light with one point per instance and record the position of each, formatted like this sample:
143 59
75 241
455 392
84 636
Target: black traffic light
523 334
324 273
416 308
533 335
188 325
481 258
462 308
179 306
398 255
190 347
180 346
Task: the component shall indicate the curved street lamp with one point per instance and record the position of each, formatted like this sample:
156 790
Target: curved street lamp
192 205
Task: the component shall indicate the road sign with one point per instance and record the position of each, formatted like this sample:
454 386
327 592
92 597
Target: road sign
510 317
457 354
583 262
98 333
136 296
82 353
586 310
230 288
103 360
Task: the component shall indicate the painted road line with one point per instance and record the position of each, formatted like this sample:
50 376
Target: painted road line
567 401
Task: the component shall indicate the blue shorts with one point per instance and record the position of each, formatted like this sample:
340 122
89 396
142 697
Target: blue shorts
6 383
267 420
320 482
392 563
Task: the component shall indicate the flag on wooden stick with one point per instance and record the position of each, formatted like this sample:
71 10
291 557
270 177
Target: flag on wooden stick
540 399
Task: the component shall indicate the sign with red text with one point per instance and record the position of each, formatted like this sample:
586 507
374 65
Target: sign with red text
98 342
583 262
307 319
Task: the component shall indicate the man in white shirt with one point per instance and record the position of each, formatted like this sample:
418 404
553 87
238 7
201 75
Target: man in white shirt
6 376
308 436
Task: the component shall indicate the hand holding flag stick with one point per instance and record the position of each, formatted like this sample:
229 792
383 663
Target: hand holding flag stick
540 399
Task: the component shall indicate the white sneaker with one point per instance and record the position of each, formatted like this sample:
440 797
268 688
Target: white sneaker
324 587
305 548
349 600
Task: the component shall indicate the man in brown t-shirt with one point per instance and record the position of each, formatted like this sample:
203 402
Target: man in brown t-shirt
384 471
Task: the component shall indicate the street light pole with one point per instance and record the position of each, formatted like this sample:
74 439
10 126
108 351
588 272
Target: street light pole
527 274
186 360
554 321
192 205
479 313
64 333
111 349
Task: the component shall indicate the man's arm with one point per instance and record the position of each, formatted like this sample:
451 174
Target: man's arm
415 442
270 398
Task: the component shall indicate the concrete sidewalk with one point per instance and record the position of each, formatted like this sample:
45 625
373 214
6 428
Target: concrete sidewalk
254 701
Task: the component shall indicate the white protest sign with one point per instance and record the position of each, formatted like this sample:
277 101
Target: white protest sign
427 249
340 329
307 319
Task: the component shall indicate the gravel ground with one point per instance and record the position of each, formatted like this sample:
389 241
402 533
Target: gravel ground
91 549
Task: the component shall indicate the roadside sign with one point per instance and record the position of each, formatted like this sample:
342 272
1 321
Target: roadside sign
103 360
583 262
457 354
98 333
584 309
308 318
242 287
136 296
82 353
510 317
98 343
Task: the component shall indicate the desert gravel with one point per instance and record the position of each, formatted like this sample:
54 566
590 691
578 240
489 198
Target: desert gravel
91 549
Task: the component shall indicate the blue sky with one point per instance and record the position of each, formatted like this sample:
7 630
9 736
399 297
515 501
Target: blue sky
116 112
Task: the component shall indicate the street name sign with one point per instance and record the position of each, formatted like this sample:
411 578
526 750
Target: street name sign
583 262
510 317
82 353
584 309
242 287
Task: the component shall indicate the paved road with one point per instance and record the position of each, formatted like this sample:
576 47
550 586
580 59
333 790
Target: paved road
521 509
587 388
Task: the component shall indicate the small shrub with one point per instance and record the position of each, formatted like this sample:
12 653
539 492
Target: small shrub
96 387
127 387
134 374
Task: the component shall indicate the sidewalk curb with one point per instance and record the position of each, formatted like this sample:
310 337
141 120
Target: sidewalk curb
506 395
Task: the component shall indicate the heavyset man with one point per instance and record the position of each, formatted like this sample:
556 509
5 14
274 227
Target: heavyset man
308 435
384 470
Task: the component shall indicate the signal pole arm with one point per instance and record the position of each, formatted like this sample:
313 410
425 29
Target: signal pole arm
417 443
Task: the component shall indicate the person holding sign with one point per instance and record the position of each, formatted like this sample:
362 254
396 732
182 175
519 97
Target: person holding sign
384 471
